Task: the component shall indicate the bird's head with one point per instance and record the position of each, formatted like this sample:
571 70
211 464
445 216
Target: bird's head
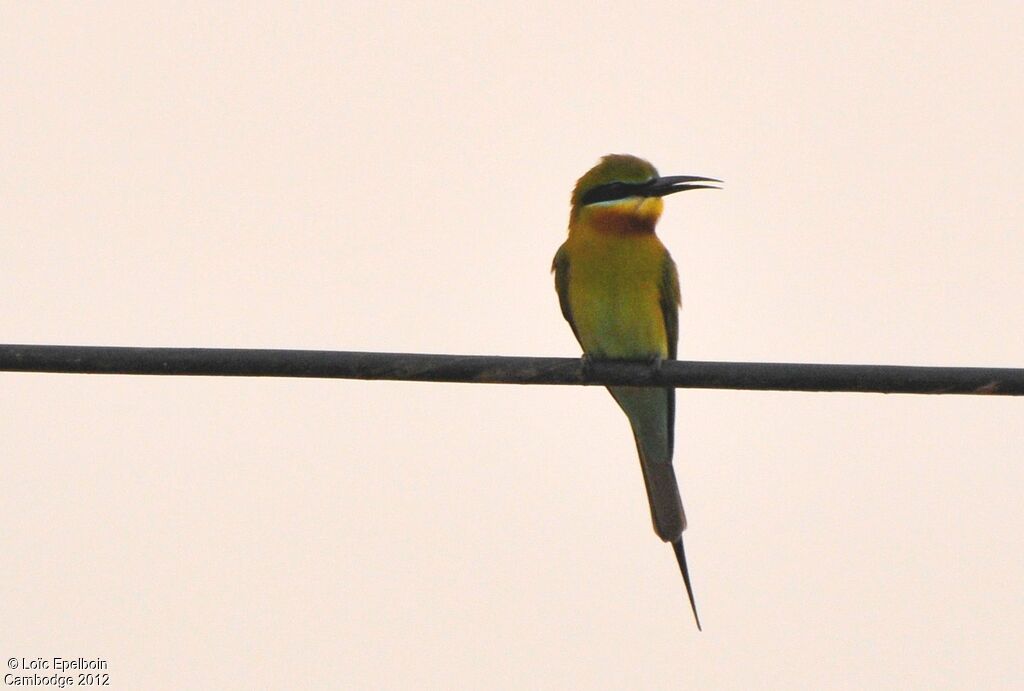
627 190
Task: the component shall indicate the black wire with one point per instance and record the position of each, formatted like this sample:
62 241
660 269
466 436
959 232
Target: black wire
763 376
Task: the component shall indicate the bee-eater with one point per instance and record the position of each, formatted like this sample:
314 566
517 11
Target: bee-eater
619 290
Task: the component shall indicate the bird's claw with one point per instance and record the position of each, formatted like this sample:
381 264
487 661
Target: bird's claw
586 366
655 363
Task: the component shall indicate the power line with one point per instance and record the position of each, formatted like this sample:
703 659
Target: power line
492 369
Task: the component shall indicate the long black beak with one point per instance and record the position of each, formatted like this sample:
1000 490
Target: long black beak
660 187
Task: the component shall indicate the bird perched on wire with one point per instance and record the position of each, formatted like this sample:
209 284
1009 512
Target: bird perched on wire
619 290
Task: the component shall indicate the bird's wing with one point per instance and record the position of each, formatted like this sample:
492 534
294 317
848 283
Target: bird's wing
669 294
560 267
669 300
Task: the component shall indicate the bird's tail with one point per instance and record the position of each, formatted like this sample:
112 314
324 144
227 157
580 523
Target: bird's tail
651 414
677 545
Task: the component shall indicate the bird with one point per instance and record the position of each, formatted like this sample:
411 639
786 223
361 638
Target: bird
618 288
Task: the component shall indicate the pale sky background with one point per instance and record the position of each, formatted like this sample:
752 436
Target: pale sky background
395 177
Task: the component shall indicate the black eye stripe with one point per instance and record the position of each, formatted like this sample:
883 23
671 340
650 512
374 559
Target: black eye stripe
614 190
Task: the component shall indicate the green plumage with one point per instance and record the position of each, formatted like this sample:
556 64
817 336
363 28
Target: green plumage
651 412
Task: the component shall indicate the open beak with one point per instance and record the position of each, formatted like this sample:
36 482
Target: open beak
661 187
658 187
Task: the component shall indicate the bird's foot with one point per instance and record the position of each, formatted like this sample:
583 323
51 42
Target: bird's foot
586 366
655 363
